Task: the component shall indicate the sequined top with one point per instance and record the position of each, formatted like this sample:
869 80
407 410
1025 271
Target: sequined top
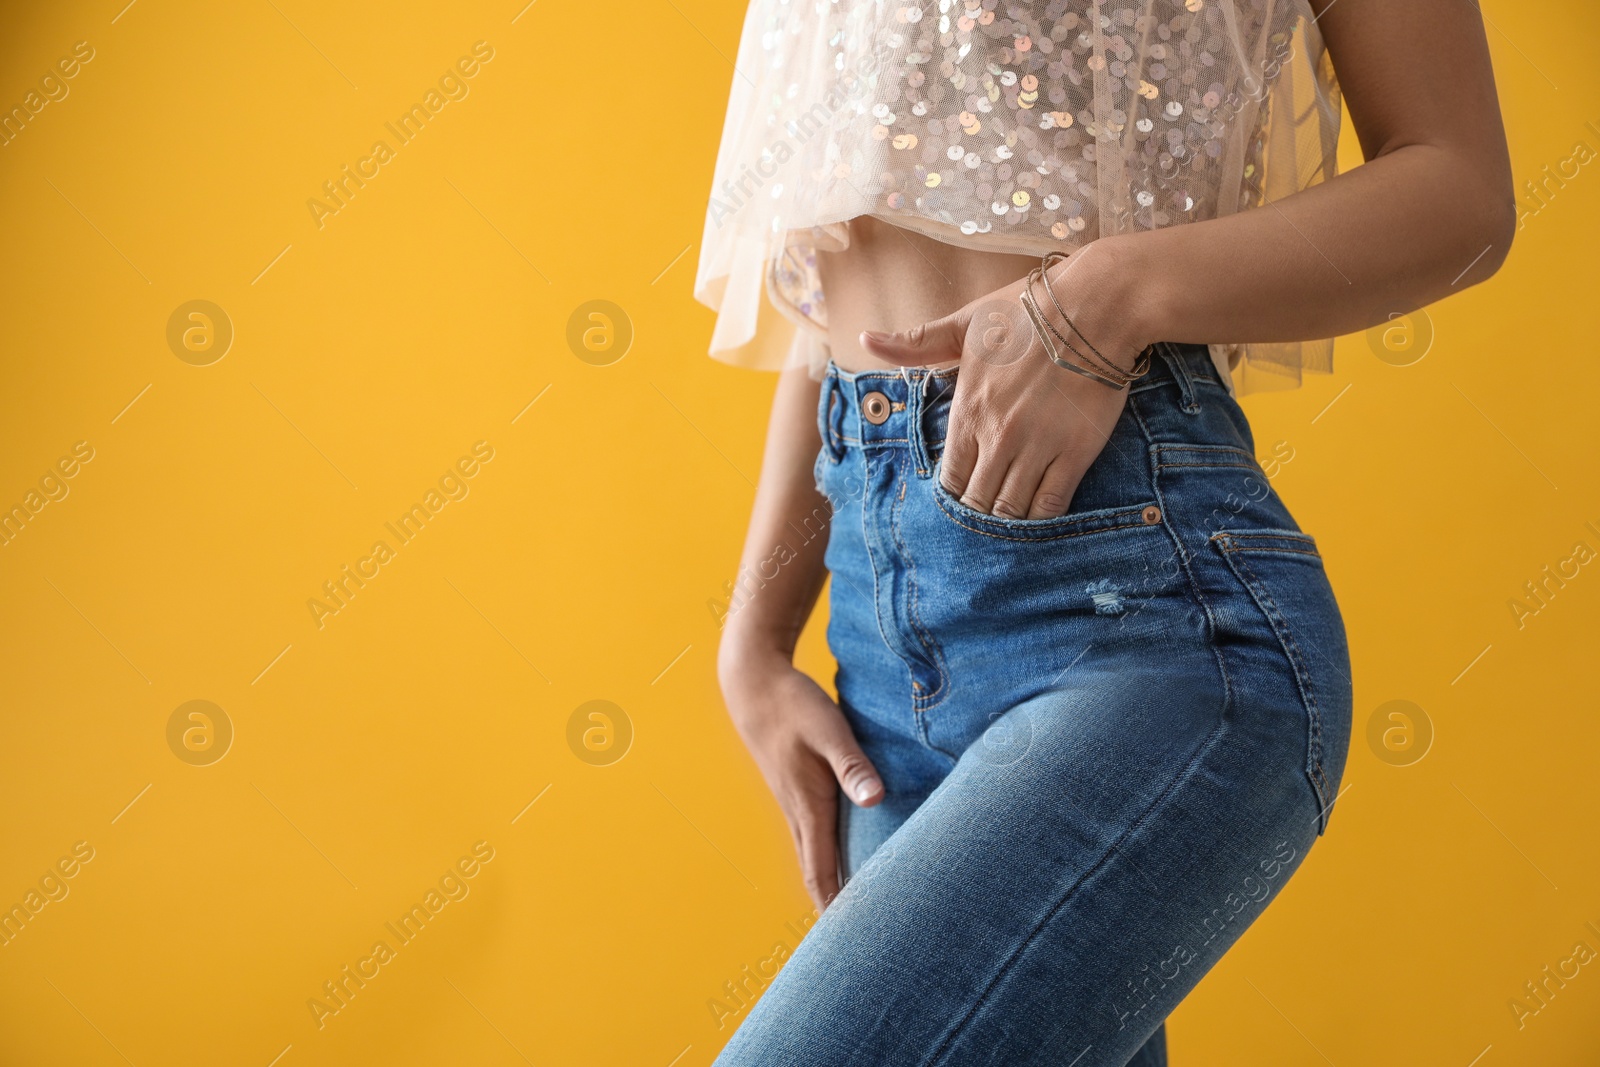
1009 127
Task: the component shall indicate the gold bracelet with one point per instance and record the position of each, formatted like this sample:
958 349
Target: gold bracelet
1141 363
1042 328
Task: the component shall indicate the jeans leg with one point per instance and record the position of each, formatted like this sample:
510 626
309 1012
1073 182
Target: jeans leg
1056 908
1154 1051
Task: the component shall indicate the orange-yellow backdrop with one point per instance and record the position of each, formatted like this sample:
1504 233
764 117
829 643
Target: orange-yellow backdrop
373 748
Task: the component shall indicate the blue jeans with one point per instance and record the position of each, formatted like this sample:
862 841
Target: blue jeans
1107 739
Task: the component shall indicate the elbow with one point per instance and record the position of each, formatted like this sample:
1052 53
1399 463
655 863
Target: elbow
1496 221
1500 225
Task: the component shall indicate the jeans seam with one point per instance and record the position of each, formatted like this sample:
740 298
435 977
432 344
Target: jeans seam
1183 557
1112 849
1299 667
923 703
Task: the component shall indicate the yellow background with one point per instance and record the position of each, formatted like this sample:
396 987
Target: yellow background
425 716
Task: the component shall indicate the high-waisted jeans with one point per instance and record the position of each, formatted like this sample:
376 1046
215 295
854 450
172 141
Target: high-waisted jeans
1107 739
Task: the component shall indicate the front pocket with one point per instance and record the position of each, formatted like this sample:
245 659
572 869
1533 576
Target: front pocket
1282 571
1072 524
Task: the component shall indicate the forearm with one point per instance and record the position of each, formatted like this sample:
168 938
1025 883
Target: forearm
1336 258
781 570
1431 212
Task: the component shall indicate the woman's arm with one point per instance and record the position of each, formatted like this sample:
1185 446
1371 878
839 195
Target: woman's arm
1431 212
798 736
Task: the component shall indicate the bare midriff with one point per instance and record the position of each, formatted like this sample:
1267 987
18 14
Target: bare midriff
891 278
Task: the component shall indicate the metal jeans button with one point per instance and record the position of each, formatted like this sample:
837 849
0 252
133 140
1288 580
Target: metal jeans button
875 408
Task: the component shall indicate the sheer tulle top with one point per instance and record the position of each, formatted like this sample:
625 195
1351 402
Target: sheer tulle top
1010 127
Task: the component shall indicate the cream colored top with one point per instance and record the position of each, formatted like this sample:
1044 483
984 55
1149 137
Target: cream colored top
1018 127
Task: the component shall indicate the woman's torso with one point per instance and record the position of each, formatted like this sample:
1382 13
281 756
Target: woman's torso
891 278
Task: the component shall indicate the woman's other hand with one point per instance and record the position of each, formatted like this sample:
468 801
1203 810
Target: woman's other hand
806 752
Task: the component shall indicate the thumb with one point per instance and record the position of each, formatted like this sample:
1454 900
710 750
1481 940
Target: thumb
856 775
930 342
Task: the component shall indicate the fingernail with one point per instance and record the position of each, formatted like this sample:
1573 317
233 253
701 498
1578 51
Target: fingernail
875 335
866 789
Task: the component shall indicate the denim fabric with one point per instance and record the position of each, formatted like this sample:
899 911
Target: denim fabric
1107 739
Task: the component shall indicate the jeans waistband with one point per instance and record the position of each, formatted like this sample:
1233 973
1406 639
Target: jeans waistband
910 407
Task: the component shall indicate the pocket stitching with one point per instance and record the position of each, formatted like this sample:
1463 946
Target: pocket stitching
1291 650
1234 542
1068 525
1068 530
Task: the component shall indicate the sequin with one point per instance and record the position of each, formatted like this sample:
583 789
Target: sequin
1019 126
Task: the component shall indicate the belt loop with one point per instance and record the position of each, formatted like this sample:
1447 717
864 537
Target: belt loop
916 406
1180 373
828 405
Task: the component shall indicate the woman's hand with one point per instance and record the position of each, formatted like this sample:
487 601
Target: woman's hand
1022 430
806 752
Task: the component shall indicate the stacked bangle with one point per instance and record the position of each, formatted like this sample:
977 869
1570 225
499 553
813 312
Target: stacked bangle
1097 367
